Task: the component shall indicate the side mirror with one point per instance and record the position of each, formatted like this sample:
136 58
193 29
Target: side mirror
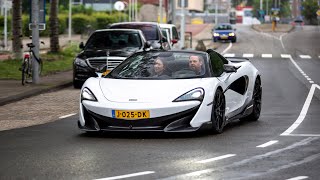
146 45
230 68
174 41
81 45
164 39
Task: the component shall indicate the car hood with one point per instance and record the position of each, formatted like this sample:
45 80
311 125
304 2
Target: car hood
141 91
125 52
223 31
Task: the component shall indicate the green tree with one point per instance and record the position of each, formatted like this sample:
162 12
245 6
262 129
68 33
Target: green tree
310 8
16 29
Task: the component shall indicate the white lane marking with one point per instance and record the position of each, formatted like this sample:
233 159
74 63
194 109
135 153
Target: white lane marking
318 56
196 174
216 158
287 166
229 55
281 41
304 135
285 55
303 112
65 116
266 55
312 82
127 175
268 144
227 49
247 55
298 178
305 56
309 79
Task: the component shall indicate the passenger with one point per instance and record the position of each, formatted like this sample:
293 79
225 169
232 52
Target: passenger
196 64
159 67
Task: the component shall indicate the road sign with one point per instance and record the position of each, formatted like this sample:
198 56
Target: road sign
318 12
119 6
42 15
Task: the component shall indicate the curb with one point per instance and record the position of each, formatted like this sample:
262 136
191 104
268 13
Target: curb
34 93
260 30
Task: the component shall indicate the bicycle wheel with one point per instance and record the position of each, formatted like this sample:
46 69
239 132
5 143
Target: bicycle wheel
40 66
25 71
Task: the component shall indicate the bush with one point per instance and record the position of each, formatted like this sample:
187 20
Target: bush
81 23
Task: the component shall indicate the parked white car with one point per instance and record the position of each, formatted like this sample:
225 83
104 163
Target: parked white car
174 35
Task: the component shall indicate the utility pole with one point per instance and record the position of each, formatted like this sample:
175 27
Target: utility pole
70 19
261 6
173 11
182 26
160 10
216 13
136 13
35 40
129 6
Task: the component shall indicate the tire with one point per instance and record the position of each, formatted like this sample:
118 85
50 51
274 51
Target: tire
218 112
23 73
77 84
234 40
25 70
214 40
256 98
40 66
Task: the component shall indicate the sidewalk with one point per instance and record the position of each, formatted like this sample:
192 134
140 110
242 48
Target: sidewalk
12 90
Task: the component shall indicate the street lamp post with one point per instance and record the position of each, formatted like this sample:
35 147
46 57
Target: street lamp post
70 20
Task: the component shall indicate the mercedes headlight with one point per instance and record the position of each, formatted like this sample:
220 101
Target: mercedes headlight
193 95
216 34
86 94
231 34
80 62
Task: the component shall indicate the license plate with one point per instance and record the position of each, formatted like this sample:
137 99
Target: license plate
106 72
224 37
122 114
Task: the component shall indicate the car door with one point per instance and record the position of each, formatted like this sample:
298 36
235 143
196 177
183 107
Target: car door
234 85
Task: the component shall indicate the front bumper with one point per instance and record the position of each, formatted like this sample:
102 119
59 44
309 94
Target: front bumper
83 73
178 122
224 38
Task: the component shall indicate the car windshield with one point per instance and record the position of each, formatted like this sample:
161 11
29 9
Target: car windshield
114 40
223 27
161 65
149 30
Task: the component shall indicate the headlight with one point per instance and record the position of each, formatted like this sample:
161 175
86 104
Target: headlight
80 62
216 34
195 94
231 34
86 94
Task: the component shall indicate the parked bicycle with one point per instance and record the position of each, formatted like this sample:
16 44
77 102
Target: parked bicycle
26 67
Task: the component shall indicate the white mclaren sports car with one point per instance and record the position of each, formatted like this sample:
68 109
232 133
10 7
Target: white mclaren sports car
171 91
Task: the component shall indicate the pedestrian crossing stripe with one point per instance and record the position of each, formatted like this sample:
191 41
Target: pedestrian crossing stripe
285 56
305 56
247 55
266 55
229 55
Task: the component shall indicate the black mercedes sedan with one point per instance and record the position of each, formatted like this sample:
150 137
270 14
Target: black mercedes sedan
104 50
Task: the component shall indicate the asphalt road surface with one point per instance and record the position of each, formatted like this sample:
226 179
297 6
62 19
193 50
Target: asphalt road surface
283 144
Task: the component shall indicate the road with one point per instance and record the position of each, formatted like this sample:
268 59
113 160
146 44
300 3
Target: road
283 144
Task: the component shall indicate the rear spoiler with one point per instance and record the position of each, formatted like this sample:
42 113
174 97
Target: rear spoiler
237 59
